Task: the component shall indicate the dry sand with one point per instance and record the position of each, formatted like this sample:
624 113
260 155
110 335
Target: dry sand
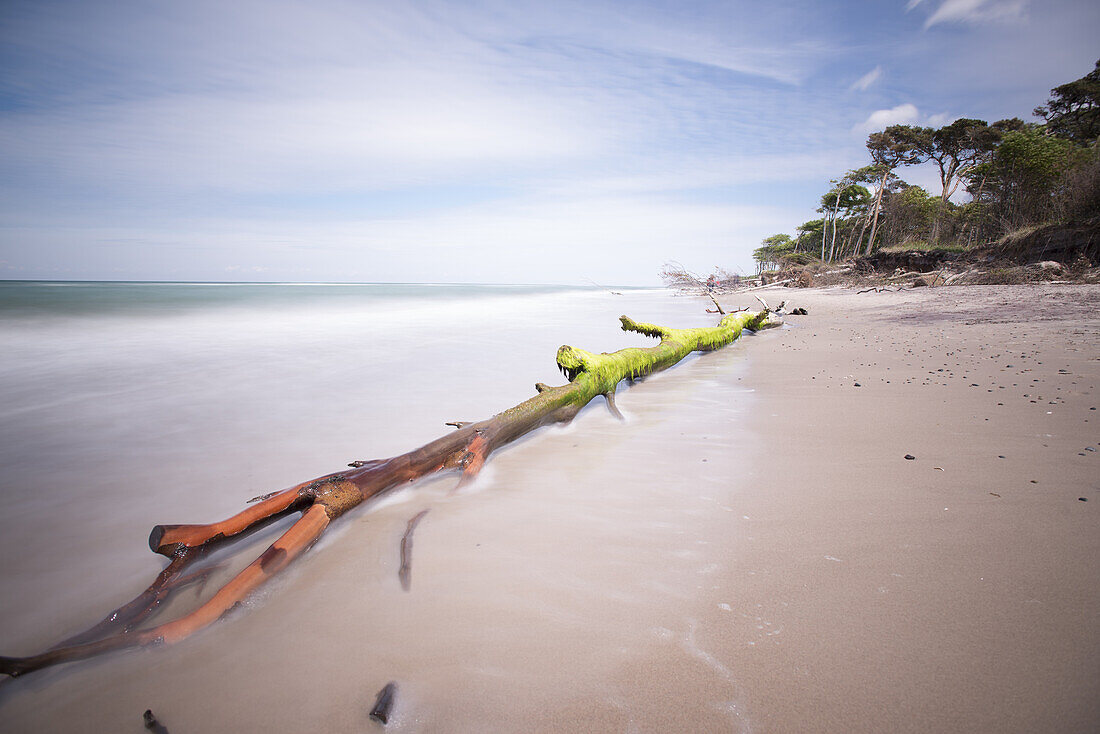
958 590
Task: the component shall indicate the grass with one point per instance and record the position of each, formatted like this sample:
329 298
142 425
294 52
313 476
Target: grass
921 246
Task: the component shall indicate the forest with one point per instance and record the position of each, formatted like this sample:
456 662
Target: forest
1019 175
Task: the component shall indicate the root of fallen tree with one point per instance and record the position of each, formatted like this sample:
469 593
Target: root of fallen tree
322 500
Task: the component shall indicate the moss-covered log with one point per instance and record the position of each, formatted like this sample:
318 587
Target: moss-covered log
322 500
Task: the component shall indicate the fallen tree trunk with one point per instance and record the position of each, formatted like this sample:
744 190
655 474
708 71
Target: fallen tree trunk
322 500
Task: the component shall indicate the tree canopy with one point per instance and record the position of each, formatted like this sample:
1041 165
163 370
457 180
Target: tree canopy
1073 109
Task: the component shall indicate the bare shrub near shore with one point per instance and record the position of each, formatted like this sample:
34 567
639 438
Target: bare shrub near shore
675 275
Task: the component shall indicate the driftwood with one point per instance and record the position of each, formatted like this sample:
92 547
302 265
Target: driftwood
404 573
322 500
384 703
151 723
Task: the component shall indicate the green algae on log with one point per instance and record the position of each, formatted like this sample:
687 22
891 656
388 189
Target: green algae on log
324 499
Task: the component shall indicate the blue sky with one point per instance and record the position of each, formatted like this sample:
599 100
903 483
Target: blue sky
511 141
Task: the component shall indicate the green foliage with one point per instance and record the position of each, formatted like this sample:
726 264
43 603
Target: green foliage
922 246
1073 110
779 250
778 242
798 258
1078 196
846 197
956 149
888 151
809 236
773 249
909 215
1019 184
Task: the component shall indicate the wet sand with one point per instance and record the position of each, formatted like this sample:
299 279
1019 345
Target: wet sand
749 551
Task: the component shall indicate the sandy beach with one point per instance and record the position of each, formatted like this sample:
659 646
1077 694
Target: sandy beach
750 551
958 590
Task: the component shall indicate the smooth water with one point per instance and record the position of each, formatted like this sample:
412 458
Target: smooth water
561 588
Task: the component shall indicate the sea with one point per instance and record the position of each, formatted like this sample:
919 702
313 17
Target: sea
562 589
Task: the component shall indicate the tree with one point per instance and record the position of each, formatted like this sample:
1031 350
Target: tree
1078 195
887 152
808 234
910 213
1073 109
849 197
859 209
1020 181
846 194
955 148
772 250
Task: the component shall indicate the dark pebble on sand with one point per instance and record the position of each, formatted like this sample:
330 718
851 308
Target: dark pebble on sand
909 457
1083 499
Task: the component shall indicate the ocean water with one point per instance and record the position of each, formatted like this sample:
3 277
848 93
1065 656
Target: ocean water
557 591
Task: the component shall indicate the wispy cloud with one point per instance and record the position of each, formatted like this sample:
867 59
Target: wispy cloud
974 11
315 136
864 82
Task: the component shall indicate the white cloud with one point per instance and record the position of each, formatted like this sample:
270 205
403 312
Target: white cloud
975 11
865 81
904 114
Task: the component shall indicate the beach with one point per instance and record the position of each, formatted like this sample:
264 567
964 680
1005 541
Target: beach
958 590
750 550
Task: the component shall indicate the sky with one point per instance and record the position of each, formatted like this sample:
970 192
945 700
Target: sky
510 141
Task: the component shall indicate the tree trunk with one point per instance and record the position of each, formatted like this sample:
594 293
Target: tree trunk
878 206
832 240
322 500
824 227
948 170
859 239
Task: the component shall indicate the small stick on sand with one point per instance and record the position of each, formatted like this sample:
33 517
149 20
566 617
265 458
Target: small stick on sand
610 396
405 572
382 706
716 304
152 724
